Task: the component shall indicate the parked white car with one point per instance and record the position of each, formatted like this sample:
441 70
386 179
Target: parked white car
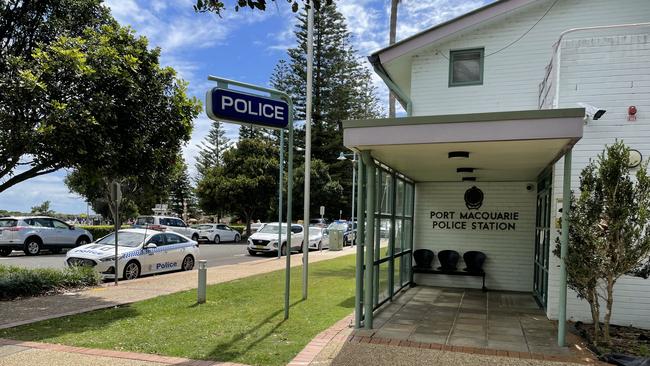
140 252
167 223
217 233
31 234
318 238
266 239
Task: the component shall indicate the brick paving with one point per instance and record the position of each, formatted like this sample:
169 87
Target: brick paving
81 355
29 310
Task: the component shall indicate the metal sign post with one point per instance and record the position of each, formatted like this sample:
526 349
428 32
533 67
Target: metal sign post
116 197
274 111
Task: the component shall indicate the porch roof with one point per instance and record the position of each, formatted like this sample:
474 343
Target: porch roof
502 146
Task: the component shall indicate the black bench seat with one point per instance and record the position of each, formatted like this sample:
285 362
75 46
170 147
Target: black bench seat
480 273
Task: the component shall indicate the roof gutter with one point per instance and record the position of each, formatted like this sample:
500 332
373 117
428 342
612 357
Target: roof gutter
403 99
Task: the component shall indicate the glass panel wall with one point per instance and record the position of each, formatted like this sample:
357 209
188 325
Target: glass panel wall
393 234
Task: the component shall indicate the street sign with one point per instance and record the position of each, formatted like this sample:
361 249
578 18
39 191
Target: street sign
322 211
243 108
116 192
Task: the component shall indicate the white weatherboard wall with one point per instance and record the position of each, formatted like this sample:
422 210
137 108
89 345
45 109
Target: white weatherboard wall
511 76
509 264
611 73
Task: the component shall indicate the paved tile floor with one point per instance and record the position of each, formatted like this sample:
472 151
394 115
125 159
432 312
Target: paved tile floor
508 321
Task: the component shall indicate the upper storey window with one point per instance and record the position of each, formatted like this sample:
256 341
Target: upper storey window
466 67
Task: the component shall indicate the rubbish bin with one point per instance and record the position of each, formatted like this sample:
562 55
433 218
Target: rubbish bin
336 239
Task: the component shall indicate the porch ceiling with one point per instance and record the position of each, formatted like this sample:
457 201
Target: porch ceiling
504 146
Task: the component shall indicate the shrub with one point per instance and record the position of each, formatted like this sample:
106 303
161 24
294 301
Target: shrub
20 282
98 231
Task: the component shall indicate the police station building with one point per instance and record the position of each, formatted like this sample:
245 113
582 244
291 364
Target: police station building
493 141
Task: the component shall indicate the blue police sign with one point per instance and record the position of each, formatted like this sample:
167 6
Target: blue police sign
235 106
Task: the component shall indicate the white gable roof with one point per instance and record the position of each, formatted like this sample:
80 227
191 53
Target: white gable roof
394 61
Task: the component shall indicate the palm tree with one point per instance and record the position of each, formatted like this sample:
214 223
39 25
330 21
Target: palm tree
392 33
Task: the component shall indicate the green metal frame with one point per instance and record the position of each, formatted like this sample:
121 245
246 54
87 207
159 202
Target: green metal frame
455 53
369 259
564 243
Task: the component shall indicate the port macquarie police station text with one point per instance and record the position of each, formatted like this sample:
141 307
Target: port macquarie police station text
475 220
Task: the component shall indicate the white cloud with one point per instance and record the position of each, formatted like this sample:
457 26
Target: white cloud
49 187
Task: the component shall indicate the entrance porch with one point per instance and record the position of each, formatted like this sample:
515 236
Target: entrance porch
464 183
498 320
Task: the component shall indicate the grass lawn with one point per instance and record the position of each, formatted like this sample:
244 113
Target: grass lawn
241 322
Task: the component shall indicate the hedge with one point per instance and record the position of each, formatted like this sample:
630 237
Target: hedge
98 231
20 282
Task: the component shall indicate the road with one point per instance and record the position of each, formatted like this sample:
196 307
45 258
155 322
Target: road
215 254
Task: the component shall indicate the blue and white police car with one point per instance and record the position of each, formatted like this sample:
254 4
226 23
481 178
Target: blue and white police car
140 252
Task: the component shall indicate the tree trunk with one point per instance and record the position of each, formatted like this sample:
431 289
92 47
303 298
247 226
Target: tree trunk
392 34
610 301
595 315
248 224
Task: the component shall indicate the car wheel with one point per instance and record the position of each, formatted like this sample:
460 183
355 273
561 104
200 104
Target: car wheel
33 246
301 247
55 250
252 253
283 251
4 252
83 240
237 238
195 237
131 271
217 239
188 263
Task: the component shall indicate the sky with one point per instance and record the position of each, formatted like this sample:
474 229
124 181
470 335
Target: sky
242 45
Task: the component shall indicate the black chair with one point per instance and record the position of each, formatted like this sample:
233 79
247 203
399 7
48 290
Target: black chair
448 260
474 261
423 258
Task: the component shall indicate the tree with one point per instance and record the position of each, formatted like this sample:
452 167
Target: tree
610 229
218 6
93 100
246 182
342 90
126 116
43 209
328 192
182 199
26 149
211 149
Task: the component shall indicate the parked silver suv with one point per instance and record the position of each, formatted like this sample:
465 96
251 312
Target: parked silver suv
31 234
167 223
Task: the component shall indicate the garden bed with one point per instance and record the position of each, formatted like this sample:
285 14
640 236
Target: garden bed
625 340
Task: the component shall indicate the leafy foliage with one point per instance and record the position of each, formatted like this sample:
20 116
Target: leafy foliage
19 282
31 109
245 183
342 90
218 6
211 149
87 95
42 209
609 233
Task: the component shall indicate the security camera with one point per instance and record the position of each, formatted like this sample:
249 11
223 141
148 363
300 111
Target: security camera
529 187
591 111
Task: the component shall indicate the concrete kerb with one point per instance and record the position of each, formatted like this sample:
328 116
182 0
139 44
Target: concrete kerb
30 310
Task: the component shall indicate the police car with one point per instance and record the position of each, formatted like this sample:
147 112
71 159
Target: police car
140 252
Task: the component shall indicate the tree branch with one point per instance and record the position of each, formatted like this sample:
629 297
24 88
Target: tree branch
31 173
